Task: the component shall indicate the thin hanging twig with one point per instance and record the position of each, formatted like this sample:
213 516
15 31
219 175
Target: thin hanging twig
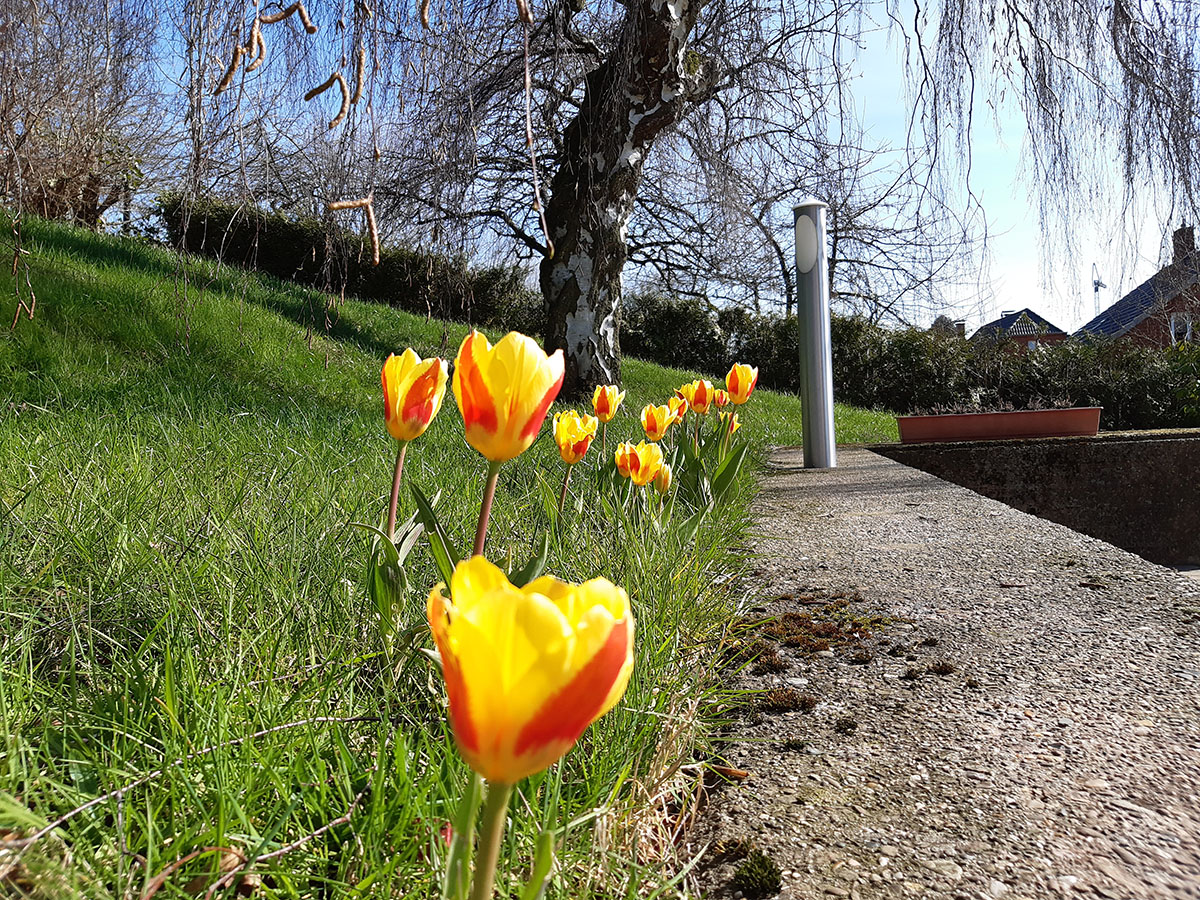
537 188
374 232
360 70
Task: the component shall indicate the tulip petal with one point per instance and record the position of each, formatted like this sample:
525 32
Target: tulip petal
465 733
476 402
563 718
418 405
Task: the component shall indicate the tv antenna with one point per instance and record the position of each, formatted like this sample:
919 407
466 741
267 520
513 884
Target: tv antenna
1096 285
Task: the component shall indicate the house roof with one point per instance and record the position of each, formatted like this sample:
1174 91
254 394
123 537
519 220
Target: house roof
1022 323
1134 307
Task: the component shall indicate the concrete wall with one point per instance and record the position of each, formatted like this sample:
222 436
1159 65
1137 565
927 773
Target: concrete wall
1138 490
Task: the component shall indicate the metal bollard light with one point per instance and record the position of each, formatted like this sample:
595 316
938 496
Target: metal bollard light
816 353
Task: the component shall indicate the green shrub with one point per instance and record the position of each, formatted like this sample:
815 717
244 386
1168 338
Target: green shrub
671 331
306 251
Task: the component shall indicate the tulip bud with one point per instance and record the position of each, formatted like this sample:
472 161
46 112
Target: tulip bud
527 669
656 420
606 400
413 389
641 462
573 434
662 481
622 458
740 382
698 394
678 407
504 392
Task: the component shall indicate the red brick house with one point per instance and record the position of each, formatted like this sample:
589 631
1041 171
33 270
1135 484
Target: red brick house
1024 328
1163 310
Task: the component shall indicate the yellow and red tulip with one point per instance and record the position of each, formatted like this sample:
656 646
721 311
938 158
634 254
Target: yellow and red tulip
606 400
413 389
504 392
678 407
574 433
740 382
698 394
640 463
621 457
729 422
656 420
662 481
720 398
527 669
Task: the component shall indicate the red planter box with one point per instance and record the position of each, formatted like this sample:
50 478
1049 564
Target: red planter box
995 426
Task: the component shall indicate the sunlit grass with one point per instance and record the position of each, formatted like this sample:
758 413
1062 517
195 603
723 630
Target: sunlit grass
183 628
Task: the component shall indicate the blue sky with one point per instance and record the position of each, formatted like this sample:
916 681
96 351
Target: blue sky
1019 275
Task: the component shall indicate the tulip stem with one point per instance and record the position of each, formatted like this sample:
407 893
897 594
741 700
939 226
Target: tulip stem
391 522
604 441
562 498
495 814
485 508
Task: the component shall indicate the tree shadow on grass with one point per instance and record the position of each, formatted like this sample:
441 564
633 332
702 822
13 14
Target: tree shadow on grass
375 328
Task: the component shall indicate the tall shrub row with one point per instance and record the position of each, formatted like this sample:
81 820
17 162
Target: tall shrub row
913 370
305 251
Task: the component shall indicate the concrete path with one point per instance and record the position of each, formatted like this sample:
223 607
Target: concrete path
1058 753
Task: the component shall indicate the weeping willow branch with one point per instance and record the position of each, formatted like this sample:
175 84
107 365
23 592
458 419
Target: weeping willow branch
297 8
227 78
365 203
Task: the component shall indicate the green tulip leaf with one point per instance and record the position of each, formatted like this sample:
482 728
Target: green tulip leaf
536 566
543 867
445 557
691 525
727 472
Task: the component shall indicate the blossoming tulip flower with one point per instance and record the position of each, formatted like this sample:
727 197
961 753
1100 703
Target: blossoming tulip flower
643 462
504 392
656 420
413 389
662 481
527 669
574 433
678 407
622 457
740 382
729 422
698 394
720 398
606 400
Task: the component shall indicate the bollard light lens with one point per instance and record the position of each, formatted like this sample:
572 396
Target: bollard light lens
806 243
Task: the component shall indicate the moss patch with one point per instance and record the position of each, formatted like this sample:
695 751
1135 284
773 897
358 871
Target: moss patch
757 876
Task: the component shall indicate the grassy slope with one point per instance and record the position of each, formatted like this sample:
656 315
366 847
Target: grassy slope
178 469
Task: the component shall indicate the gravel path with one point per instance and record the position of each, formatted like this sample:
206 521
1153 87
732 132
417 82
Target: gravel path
1060 757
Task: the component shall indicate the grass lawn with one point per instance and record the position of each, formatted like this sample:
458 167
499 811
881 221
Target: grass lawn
188 665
